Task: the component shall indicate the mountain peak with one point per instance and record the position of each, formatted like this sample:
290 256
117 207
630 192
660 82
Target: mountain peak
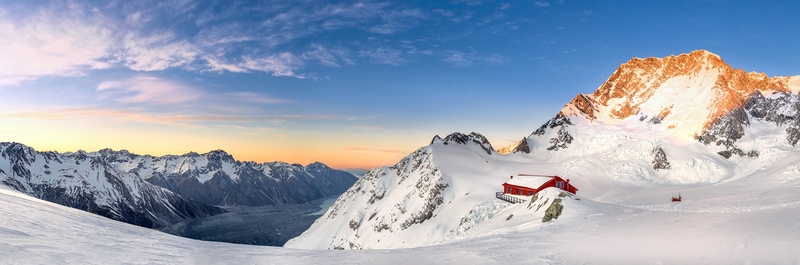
687 92
219 154
460 138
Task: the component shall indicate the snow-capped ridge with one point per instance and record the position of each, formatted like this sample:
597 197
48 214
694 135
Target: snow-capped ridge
460 138
157 191
687 92
520 146
87 181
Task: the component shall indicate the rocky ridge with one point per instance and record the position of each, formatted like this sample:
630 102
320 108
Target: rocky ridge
688 92
406 204
694 96
158 191
88 182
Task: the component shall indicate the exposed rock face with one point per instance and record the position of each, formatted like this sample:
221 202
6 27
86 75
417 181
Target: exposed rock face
692 96
553 211
557 121
554 207
561 141
779 108
89 182
364 209
727 129
216 178
460 138
522 147
158 191
782 109
660 159
519 147
688 92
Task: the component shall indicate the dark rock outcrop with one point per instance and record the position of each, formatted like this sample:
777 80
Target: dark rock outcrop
561 141
781 109
522 147
660 159
460 138
557 121
553 211
216 178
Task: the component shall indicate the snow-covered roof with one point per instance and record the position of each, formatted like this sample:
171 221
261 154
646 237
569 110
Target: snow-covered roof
529 181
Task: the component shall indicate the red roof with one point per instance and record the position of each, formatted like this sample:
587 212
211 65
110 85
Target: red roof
533 182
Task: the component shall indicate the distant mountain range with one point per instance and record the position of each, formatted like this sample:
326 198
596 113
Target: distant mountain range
158 191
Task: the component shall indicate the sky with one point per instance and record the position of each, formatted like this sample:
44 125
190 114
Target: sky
353 84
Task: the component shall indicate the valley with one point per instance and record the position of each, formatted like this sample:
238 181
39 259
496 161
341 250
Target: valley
269 225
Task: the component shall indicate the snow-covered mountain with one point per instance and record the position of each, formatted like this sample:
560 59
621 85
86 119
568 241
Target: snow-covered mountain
684 121
89 181
687 93
436 193
693 96
216 178
125 186
440 200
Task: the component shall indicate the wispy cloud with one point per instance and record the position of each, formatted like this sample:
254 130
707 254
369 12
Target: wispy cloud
283 64
247 130
95 112
541 4
148 89
332 57
383 55
468 2
368 128
156 52
251 97
396 21
369 117
51 39
43 45
462 59
171 119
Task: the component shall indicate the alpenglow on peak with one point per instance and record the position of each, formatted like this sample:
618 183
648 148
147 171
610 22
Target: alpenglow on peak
686 93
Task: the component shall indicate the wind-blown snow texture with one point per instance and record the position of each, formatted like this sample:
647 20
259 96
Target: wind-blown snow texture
119 185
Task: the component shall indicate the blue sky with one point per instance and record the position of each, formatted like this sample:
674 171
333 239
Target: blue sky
348 83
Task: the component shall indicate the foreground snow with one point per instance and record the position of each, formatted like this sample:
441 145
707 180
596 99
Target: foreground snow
732 222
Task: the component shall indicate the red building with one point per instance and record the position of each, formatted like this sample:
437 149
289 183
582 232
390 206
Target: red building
527 185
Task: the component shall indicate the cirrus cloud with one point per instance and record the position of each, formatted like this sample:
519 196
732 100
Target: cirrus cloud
148 89
50 46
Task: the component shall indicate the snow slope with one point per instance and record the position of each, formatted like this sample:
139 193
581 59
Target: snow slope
716 224
659 127
612 165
